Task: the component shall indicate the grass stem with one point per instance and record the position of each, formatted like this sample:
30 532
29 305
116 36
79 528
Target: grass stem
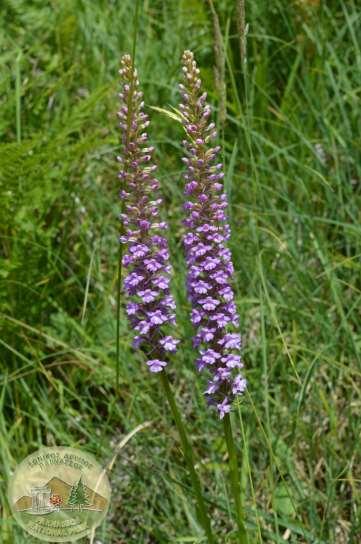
18 96
189 457
234 479
119 285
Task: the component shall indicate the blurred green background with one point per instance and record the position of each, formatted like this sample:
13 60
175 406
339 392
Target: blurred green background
292 156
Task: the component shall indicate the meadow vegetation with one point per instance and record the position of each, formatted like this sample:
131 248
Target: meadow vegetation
293 176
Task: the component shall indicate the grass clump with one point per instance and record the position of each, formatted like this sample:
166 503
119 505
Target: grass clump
293 177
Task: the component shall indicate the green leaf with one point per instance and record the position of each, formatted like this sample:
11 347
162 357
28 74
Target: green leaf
282 500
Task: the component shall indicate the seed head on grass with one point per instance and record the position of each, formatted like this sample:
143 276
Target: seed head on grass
209 261
150 306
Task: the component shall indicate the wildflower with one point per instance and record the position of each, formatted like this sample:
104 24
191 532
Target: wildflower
150 306
209 262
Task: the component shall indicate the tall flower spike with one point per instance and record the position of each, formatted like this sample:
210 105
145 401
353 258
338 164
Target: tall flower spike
209 261
150 306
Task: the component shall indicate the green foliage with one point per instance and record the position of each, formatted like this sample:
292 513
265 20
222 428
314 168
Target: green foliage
292 157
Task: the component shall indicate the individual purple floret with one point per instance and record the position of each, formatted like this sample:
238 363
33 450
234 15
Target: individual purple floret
209 261
150 306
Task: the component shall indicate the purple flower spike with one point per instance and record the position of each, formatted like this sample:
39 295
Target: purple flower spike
209 261
150 306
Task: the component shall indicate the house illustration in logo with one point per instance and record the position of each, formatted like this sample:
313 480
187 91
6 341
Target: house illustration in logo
40 499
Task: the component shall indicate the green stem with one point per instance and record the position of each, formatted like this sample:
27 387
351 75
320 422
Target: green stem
119 284
189 457
18 96
234 478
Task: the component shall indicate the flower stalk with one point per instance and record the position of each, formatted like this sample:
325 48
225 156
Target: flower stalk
209 266
189 458
234 479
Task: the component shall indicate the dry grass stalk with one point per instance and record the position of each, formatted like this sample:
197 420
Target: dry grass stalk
220 66
242 30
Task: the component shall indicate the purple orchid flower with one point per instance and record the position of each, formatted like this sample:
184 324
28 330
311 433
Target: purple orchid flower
209 261
150 306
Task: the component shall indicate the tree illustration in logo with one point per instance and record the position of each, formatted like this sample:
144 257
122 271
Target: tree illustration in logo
56 501
78 495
